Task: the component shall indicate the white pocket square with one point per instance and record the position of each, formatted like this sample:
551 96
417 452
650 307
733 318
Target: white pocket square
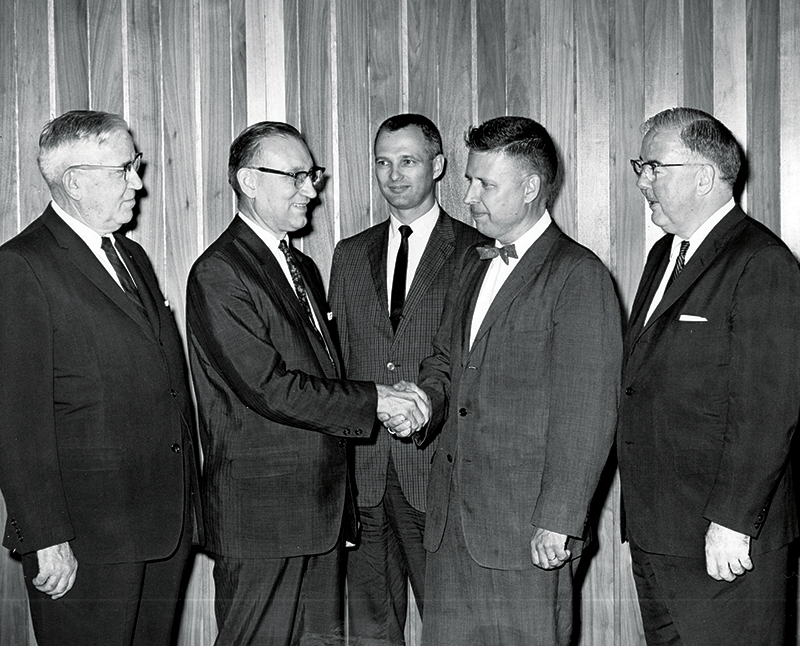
692 318
330 316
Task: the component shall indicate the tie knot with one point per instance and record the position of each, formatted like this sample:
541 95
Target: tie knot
684 247
487 252
405 230
106 244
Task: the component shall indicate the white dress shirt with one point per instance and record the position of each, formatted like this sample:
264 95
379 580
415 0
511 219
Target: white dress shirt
499 271
93 240
417 241
695 240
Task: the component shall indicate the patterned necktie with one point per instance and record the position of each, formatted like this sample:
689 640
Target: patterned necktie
125 279
680 261
399 280
487 252
297 279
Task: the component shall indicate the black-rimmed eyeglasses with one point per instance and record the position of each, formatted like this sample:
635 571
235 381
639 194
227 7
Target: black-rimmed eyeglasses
649 167
315 173
133 165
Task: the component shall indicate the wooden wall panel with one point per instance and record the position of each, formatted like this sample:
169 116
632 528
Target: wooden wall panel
352 112
190 74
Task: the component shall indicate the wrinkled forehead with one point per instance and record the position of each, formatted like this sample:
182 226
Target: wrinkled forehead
662 144
115 149
284 153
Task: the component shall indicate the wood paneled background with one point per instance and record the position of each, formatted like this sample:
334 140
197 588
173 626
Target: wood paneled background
188 75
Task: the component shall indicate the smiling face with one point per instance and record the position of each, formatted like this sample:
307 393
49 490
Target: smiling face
501 196
274 201
103 198
674 193
406 172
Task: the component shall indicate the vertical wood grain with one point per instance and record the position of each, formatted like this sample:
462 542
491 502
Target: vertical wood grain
355 147
216 117
316 113
698 58
523 58
72 55
790 123
491 60
455 98
9 180
105 55
33 101
240 92
763 112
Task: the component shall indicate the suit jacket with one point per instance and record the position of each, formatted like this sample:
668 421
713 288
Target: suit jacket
274 413
97 417
712 393
372 351
529 410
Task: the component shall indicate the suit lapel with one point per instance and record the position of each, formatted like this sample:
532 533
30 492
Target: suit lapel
697 264
440 247
378 247
147 291
87 263
522 275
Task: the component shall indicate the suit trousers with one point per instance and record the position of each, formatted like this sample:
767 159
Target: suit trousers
470 604
682 605
294 601
115 604
389 554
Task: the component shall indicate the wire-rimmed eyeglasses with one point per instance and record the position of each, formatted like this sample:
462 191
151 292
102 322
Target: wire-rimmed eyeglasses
315 173
133 165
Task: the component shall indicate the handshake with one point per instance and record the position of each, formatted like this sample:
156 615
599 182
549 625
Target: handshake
403 408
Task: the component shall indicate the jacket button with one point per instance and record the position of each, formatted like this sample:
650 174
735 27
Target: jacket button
176 448
359 431
449 458
347 431
629 391
462 412
173 392
391 366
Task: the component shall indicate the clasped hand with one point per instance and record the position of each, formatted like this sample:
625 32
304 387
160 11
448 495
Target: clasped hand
727 553
403 408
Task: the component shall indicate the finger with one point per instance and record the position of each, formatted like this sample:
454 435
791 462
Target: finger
747 563
382 417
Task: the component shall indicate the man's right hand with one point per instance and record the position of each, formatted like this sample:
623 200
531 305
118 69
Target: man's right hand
57 570
404 408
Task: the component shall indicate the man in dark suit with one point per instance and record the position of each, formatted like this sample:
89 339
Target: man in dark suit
388 286
274 413
712 392
96 464
524 376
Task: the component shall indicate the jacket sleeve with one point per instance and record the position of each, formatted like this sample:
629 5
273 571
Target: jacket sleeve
30 478
237 339
584 387
764 390
338 301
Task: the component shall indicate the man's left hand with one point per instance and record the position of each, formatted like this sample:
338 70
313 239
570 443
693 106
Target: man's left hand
549 549
727 553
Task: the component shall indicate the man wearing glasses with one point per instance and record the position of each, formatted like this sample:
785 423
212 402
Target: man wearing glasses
275 414
711 393
96 459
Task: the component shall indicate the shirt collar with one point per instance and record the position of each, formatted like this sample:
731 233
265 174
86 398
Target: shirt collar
85 232
422 226
267 237
526 240
697 238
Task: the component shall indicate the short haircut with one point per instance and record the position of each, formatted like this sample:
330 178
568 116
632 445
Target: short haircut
703 135
433 140
69 130
523 140
247 146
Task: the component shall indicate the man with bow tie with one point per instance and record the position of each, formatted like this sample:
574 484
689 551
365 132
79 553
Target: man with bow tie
524 378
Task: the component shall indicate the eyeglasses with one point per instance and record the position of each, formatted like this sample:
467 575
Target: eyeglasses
133 165
649 168
316 174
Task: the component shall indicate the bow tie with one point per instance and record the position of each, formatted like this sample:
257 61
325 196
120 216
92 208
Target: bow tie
487 252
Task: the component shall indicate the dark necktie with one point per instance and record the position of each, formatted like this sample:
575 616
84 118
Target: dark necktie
487 252
297 279
680 261
399 281
125 279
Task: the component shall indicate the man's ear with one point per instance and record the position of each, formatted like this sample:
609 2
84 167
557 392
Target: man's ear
439 164
71 184
247 181
706 178
532 187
